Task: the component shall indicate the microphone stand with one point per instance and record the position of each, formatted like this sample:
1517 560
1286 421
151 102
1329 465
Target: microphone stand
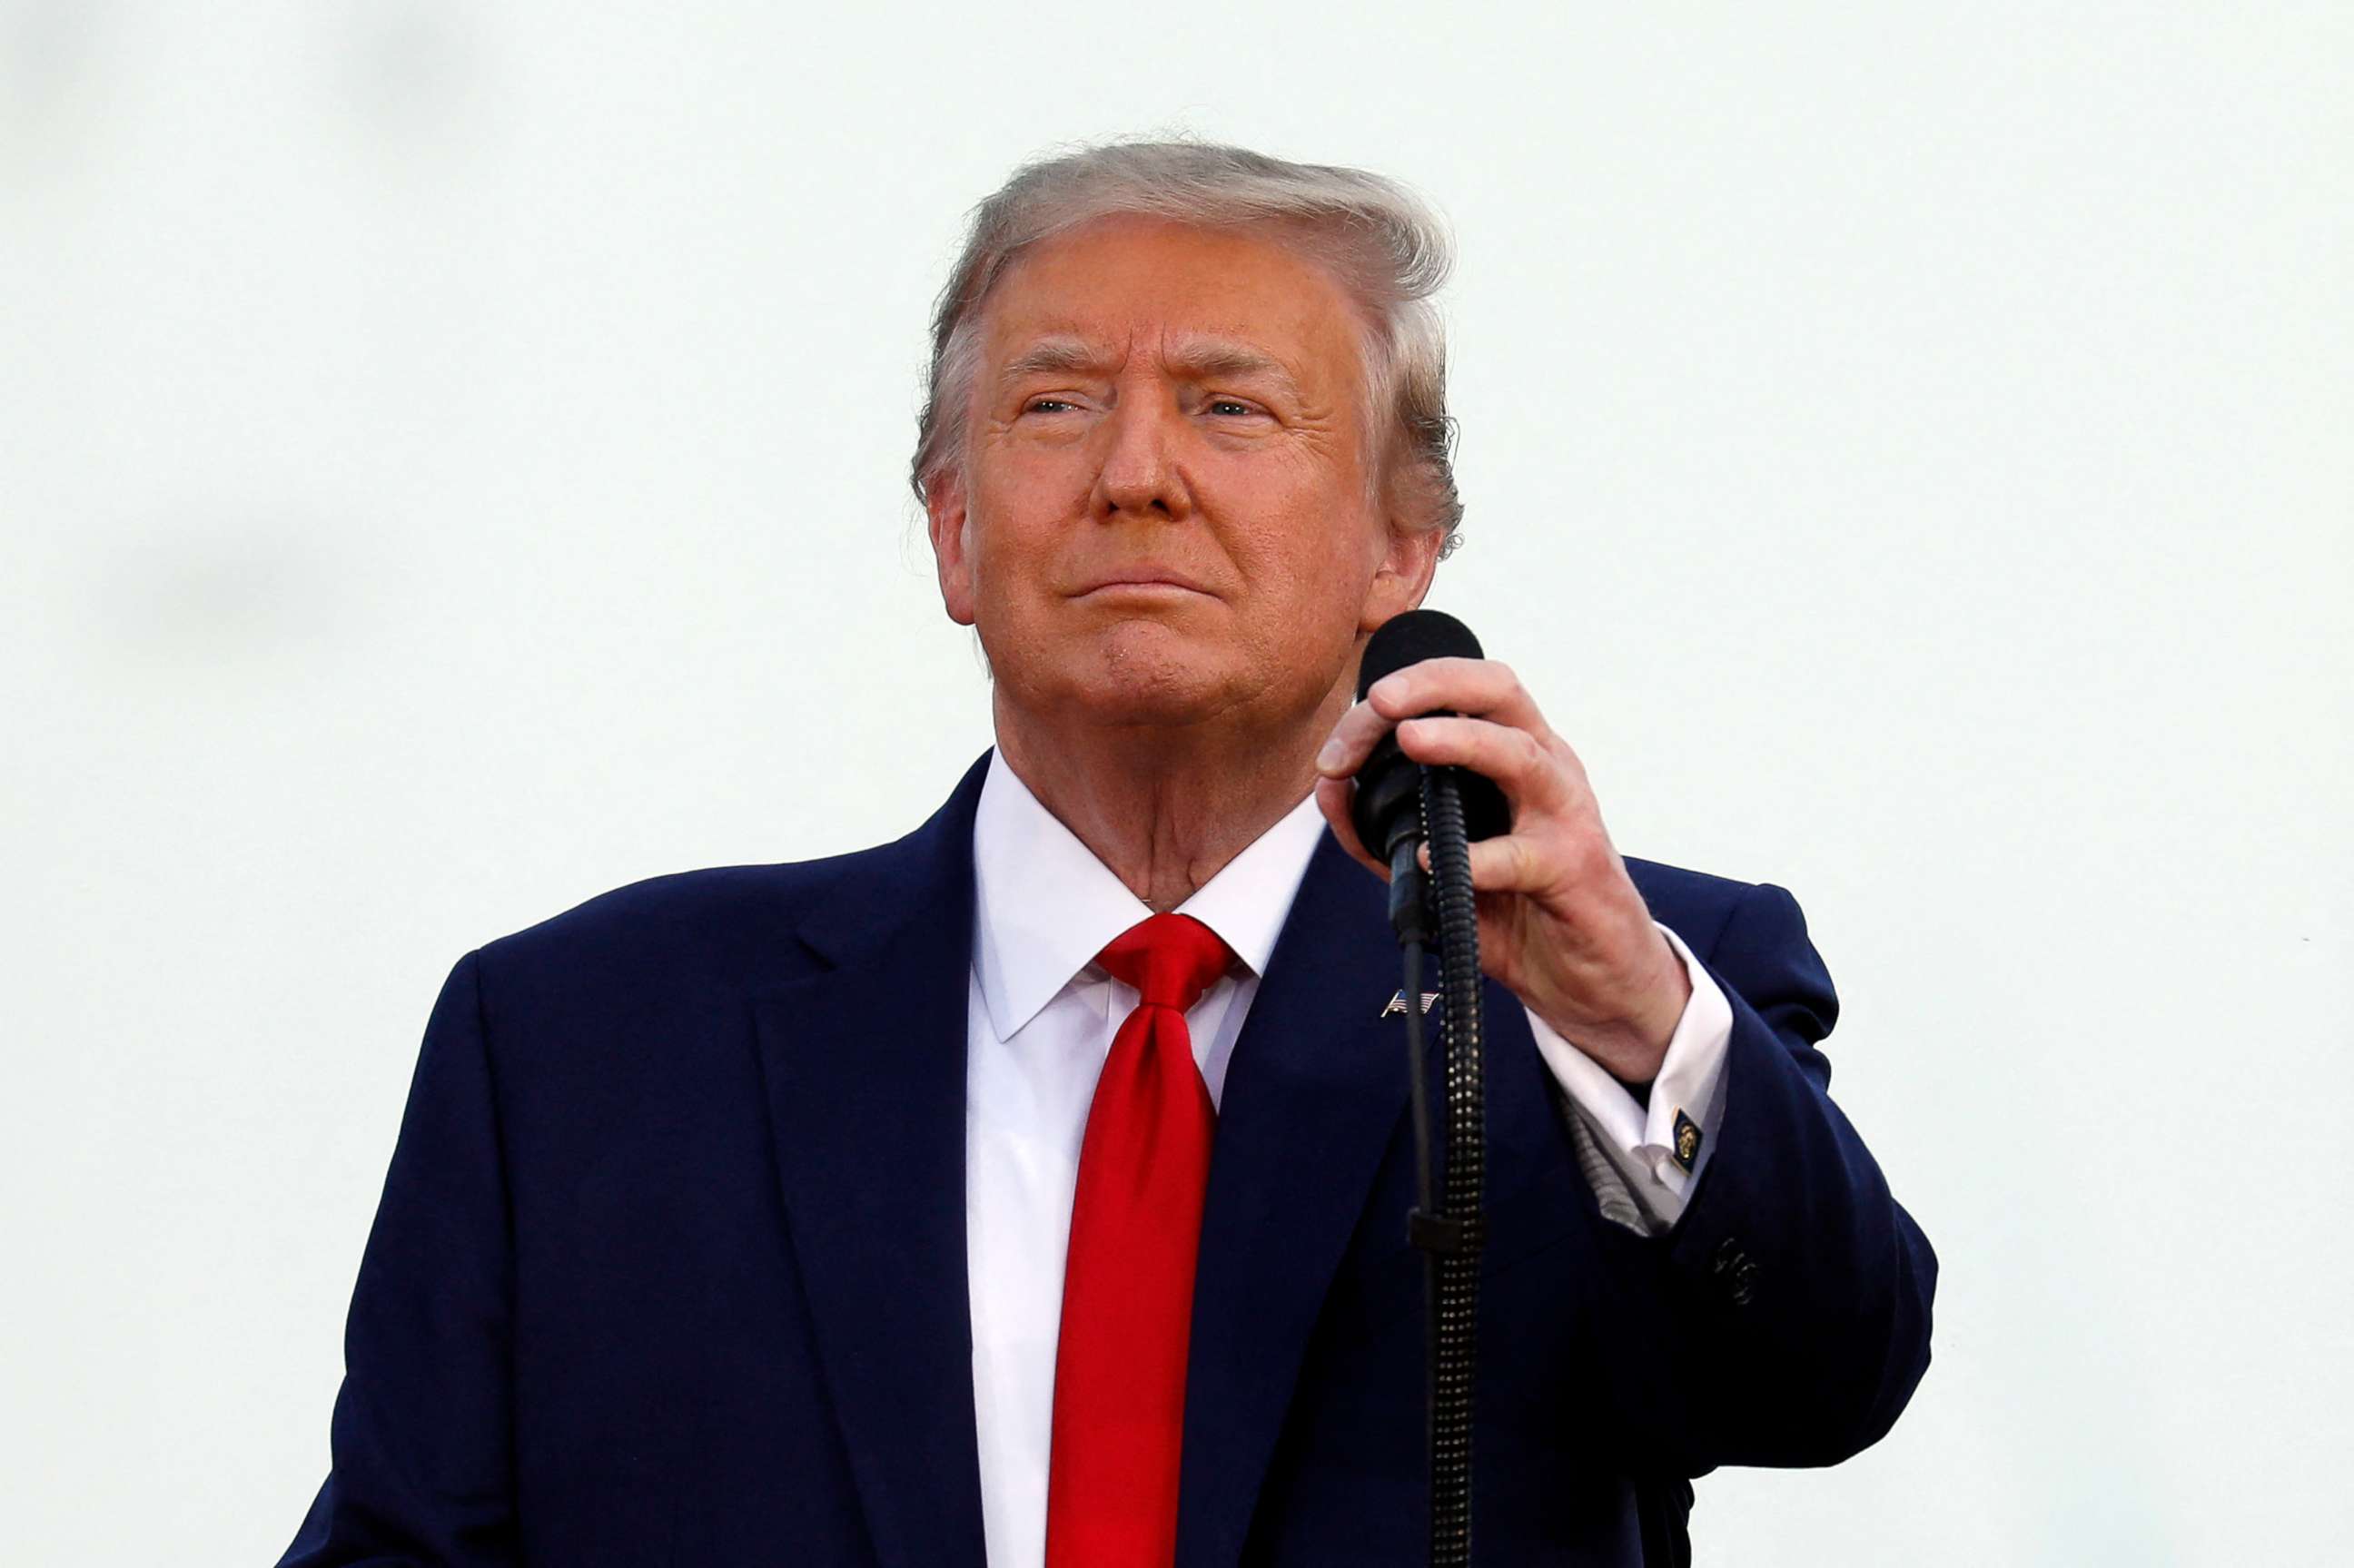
1448 1236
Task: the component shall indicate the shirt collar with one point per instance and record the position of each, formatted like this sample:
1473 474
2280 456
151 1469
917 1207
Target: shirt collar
1044 906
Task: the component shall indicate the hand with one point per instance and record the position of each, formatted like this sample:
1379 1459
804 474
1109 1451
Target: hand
1561 924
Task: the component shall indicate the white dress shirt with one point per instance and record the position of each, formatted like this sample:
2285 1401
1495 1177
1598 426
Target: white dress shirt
1041 1017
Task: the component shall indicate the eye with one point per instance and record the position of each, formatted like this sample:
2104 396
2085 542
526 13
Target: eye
1230 405
1045 406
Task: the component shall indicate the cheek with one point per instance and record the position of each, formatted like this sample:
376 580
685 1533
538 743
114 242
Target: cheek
1007 524
1035 474
1024 506
1319 541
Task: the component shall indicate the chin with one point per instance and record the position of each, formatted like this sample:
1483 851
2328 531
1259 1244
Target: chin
1146 673
1158 695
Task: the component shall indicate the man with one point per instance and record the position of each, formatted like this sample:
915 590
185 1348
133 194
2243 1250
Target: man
1031 1189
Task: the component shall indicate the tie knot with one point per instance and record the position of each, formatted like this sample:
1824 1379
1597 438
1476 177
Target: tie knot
1171 959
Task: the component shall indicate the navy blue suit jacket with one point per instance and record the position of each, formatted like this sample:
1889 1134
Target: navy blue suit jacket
670 1264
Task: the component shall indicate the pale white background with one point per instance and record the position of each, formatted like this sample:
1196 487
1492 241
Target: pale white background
451 464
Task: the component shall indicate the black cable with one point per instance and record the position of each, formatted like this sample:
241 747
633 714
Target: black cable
1424 1197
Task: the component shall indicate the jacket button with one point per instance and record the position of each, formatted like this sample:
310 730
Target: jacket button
1735 1270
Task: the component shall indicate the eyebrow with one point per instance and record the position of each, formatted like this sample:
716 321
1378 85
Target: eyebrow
1051 356
1197 360
1212 360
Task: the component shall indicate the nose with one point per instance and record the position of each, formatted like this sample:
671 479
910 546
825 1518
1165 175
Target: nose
1142 474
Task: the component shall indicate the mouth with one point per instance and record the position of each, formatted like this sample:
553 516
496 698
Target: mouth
1145 582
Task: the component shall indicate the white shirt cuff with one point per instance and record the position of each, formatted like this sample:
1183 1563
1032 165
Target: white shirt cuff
1686 1089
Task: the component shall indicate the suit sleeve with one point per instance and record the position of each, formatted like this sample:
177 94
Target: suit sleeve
420 1437
1783 1319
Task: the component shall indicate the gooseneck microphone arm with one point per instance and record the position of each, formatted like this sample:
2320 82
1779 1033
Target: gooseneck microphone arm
1399 807
1449 1236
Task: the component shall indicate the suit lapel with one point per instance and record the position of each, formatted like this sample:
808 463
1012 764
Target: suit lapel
1315 1092
864 1068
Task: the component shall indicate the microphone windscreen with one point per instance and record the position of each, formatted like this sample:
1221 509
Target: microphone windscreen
1386 806
1411 638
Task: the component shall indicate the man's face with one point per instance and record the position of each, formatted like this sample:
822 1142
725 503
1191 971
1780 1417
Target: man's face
1164 516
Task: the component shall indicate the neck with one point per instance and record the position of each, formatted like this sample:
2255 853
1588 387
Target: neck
1164 810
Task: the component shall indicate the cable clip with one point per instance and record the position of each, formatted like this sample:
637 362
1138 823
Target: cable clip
1445 1235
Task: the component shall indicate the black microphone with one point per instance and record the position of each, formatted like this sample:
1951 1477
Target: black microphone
1387 808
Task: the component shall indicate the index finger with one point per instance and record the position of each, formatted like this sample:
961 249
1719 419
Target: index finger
1475 688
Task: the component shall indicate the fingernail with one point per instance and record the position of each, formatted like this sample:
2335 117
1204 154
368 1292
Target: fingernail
1330 758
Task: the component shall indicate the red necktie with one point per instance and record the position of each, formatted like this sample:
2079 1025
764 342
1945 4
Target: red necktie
1128 1286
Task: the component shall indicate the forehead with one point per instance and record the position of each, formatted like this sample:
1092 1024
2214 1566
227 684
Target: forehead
1124 283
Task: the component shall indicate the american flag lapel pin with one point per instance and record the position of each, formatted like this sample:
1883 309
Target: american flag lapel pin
1396 1006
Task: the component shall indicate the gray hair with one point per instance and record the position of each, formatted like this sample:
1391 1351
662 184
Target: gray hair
1387 246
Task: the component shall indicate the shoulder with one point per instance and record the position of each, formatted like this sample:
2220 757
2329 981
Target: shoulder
658 950
1725 921
716 930
1752 935
1696 904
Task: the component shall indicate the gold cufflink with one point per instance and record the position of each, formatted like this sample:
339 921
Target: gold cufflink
1687 1139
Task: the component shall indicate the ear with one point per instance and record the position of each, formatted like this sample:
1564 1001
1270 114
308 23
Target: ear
949 525
1403 577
